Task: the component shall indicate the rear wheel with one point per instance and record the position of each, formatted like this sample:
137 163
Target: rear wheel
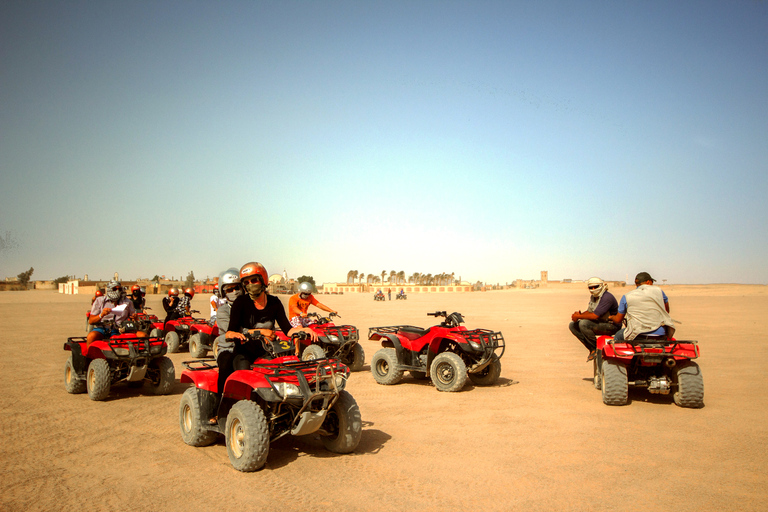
312 352
98 379
690 386
72 383
162 375
358 358
196 342
342 425
448 372
488 375
191 421
615 385
247 436
173 341
384 367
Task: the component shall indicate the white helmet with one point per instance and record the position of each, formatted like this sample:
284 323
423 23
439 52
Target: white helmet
596 286
229 276
305 287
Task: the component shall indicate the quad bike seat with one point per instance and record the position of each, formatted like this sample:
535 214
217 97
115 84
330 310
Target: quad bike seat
412 333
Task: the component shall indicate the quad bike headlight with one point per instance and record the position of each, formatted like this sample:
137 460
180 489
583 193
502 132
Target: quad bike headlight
288 390
121 351
155 349
475 345
339 379
333 338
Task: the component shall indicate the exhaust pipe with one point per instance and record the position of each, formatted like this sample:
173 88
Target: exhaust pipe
670 362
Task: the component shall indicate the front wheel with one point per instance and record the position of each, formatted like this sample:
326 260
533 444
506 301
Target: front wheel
384 367
343 425
72 383
448 372
488 375
615 384
247 436
162 375
98 379
191 421
196 348
173 341
690 386
312 352
358 358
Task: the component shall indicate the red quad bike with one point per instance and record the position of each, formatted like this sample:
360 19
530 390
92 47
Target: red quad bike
447 353
378 296
184 330
333 341
660 365
277 396
121 358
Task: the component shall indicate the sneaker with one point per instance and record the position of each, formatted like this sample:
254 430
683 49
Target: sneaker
591 355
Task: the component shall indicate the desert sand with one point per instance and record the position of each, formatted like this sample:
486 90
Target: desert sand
541 439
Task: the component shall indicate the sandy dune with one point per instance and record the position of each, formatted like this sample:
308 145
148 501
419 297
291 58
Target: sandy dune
539 440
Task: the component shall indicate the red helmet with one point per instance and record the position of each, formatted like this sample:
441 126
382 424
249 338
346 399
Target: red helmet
99 293
190 292
216 287
253 268
173 292
135 288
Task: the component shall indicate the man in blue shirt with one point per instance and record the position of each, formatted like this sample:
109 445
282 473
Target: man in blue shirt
646 309
586 325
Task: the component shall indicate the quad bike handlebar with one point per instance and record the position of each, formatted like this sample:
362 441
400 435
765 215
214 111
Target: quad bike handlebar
452 320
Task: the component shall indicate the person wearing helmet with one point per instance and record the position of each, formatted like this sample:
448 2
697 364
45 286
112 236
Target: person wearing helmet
646 309
299 303
229 290
256 310
185 303
587 325
96 295
170 304
106 321
137 297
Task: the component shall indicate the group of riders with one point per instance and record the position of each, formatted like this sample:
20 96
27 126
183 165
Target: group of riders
645 310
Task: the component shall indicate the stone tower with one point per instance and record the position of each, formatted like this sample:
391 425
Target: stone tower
544 278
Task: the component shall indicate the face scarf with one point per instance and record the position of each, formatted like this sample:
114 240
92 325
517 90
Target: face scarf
254 289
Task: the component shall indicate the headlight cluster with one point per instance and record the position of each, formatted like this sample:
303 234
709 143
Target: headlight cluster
121 351
155 349
475 345
287 390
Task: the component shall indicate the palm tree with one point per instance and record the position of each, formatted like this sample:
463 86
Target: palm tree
370 279
392 276
401 277
351 276
414 279
428 279
383 275
362 275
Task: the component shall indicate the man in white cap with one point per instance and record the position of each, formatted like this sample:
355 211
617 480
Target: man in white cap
646 309
586 325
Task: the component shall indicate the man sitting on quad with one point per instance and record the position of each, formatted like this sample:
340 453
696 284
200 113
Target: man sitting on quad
255 311
137 297
586 325
646 309
299 303
101 310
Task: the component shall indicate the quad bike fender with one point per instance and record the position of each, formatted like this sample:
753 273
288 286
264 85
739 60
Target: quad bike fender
206 380
241 384
389 340
79 361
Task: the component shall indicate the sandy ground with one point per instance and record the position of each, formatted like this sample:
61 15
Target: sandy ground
539 440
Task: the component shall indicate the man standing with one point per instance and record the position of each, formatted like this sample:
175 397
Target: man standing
646 309
586 325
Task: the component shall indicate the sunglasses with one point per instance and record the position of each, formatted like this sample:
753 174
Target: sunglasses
594 287
251 279
115 288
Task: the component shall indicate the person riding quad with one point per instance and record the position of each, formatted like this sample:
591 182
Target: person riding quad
586 325
229 290
102 309
299 303
96 295
137 297
255 312
185 302
646 309
170 305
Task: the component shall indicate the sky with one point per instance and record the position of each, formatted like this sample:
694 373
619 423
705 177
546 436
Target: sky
492 140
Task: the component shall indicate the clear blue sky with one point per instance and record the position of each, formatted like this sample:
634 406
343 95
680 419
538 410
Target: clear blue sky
489 139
